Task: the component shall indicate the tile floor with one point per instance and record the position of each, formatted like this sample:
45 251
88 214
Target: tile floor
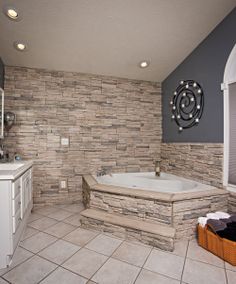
54 249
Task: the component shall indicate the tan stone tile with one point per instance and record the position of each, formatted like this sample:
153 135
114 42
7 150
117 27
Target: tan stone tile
74 208
165 263
196 272
116 272
132 253
29 232
59 230
73 220
230 267
180 248
104 244
42 224
33 217
38 242
30 272
45 210
196 252
231 277
148 277
3 281
60 215
62 276
80 236
59 251
85 262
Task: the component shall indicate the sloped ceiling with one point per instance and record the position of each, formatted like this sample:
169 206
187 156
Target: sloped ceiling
108 37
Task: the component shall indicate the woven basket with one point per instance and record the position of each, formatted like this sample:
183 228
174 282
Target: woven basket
221 247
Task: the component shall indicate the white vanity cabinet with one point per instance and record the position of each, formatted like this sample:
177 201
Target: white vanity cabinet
15 206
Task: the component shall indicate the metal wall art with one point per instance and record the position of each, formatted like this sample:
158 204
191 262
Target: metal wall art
187 104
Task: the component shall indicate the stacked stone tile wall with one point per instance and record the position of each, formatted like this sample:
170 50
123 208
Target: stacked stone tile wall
112 123
200 162
232 202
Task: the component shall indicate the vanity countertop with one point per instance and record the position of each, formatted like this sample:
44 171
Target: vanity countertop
11 171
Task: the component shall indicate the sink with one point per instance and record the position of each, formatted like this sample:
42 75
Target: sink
10 166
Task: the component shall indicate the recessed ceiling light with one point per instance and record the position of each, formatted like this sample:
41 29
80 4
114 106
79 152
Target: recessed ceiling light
20 46
144 64
11 13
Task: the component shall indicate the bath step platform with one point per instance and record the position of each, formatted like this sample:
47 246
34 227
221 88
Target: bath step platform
157 235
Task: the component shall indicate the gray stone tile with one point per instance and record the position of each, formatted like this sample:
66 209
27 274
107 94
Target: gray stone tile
34 217
74 208
80 236
85 262
231 277
59 230
104 244
230 267
19 256
62 276
181 248
60 215
59 251
116 272
132 253
38 242
196 252
30 272
45 210
3 281
73 220
165 263
42 223
196 272
29 232
148 277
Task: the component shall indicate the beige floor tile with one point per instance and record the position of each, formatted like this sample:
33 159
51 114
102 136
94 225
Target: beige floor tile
91 282
104 244
45 210
196 272
116 272
73 220
148 277
20 255
38 242
30 272
80 236
230 267
59 230
34 217
59 251
42 224
165 263
3 281
196 252
231 277
28 232
132 253
181 248
63 276
85 262
74 208
60 215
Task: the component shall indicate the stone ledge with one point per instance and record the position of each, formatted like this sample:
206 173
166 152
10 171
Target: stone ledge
145 226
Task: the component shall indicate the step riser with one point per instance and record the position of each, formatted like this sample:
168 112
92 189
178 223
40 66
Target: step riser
164 243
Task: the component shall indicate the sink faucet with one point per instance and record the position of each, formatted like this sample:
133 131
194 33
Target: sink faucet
158 167
4 155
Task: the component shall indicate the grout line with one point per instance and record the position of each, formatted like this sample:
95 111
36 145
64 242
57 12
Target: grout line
185 258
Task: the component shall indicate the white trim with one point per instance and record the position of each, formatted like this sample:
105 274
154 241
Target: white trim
229 78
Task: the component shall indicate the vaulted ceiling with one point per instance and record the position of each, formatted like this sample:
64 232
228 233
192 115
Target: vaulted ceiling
108 37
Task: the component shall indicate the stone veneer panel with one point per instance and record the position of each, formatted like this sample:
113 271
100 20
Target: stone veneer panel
200 162
112 123
232 202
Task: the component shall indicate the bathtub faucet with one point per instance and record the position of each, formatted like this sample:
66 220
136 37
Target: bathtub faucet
158 167
102 172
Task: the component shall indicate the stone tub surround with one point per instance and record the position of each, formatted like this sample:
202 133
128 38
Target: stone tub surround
202 162
112 123
232 202
178 211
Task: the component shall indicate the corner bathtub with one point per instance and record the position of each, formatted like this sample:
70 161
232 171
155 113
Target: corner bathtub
148 181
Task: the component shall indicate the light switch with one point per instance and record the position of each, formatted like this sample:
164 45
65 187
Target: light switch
65 141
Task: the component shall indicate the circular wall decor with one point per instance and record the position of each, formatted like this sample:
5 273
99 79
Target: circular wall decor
187 104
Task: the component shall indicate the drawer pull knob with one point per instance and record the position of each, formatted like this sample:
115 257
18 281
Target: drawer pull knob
19 218
19 202
18 186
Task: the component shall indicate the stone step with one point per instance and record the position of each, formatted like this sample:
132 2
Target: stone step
157 235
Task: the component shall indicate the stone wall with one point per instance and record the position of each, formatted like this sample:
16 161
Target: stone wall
200 162
112 123
232 202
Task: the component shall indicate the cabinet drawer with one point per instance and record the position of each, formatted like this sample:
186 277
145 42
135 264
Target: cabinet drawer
16 204
16 221
16 187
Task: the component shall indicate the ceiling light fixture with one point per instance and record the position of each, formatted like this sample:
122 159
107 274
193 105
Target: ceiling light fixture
144 64
11 13
20 46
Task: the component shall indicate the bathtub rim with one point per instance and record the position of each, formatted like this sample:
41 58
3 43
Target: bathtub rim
148 194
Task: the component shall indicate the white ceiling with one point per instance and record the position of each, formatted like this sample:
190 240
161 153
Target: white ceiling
109 37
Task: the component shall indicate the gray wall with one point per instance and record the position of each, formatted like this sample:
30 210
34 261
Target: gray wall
1 73
205 65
